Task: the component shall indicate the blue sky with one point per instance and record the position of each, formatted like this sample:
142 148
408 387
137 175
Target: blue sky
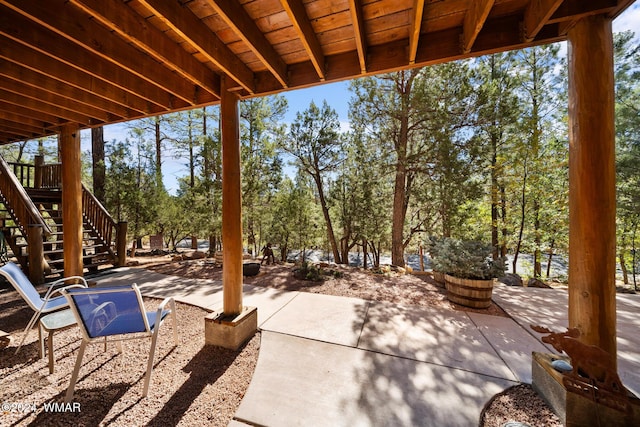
336 94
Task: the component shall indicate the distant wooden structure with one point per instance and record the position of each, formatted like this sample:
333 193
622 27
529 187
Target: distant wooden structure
76 64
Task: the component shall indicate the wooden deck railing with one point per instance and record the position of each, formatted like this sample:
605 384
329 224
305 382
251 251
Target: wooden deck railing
50 176
18 203
97 216
24 172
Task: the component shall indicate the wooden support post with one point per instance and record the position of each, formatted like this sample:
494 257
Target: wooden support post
231 203
592 192
37 174
121 243
36 254
71 199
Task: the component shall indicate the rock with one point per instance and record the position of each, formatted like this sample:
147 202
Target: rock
176 258
198 255
537 283
511 279
132 263
561 366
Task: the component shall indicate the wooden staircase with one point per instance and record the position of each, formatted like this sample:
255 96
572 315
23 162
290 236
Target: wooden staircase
31 219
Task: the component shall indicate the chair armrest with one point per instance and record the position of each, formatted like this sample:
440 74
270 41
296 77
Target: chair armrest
162 305
52 287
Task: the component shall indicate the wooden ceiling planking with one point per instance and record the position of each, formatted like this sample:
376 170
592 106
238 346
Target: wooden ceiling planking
33 60
37 80
135 29
81 30
91 62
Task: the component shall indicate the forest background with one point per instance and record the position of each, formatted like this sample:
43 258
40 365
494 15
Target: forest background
474 149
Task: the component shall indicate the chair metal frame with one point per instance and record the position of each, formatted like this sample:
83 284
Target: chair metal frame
40 304
146 325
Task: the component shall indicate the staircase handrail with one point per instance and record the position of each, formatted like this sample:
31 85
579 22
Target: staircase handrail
97 216
23 211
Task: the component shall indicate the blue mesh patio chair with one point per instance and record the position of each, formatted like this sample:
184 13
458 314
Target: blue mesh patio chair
116 313
40 304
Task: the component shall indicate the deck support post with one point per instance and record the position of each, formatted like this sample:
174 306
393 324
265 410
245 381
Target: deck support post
36 254
231 202
71 199
592 191
121 243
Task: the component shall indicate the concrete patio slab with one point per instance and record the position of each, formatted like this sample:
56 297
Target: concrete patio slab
338 320
513 344
439 336
302 382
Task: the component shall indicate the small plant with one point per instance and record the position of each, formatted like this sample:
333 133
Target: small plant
466 259
308 271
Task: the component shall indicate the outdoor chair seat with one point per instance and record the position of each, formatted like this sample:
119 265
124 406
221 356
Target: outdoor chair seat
40 304
116 313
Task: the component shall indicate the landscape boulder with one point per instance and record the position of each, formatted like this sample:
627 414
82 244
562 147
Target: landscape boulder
536 283
511 279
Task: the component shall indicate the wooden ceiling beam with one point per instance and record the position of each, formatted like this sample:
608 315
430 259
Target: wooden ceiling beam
27 113
17 118
79 28
232 12
416 27
473 22
21 126
26 57
298 16
48 84
136 30
537 15
358 30
181 20
570 10
47 107
55 99
19 135
26 32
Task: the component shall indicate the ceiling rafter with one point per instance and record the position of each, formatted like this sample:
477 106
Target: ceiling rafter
27 113
416 27
189 27
23 89
79 28
22 30
21 126
53 86
355 8
17 118
33 60
46 107
135 29
537 15
298 16
243 25
473 22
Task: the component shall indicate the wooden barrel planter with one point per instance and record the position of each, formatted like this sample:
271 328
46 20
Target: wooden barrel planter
469 292
438 276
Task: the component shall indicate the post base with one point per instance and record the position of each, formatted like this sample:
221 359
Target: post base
230 331
577 410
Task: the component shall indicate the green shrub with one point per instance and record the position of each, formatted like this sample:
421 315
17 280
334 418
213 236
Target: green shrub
467 259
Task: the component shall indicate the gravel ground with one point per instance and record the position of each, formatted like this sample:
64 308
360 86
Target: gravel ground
195 384
192 384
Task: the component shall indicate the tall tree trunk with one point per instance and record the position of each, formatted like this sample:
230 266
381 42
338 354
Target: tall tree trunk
97 156
495 204
158 152
523 201
327 219
537 264
553 242
623 267
505 231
